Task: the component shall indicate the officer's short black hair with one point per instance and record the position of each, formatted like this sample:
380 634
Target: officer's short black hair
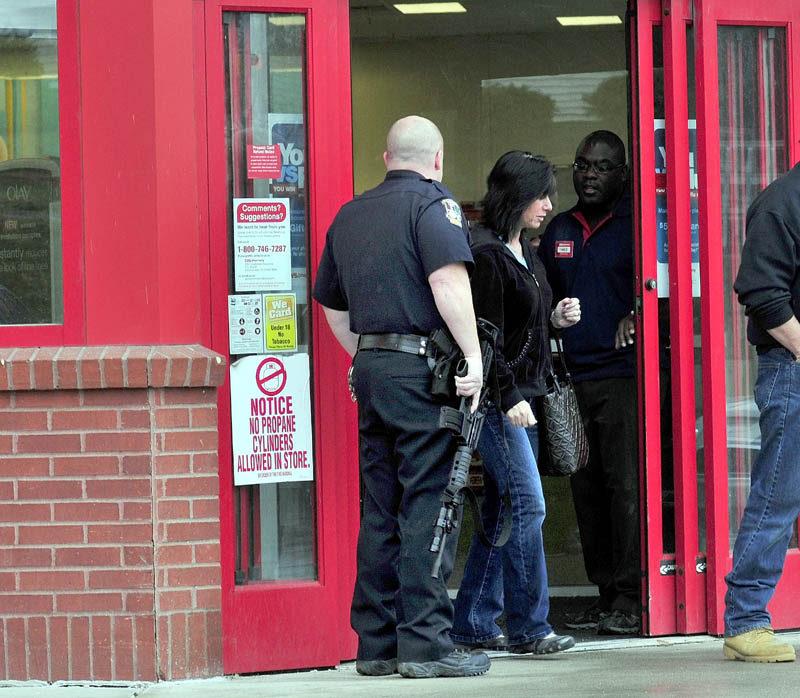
516 180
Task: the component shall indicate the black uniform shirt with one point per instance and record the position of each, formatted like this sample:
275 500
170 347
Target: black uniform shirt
381 248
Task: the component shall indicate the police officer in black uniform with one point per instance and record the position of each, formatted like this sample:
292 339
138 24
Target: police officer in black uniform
394 268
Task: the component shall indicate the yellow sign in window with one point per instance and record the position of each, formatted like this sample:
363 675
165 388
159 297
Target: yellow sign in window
281 322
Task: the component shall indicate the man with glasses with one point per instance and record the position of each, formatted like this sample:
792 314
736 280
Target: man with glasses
588 254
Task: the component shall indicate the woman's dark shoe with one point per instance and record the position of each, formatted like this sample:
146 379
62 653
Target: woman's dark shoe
550 644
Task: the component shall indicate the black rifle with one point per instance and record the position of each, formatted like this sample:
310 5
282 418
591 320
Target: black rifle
467 426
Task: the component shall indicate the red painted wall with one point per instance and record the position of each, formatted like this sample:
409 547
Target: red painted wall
145 282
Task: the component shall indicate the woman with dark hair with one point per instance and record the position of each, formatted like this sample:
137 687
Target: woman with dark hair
509 288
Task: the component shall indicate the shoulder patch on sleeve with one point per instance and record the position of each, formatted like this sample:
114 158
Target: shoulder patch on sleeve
452 211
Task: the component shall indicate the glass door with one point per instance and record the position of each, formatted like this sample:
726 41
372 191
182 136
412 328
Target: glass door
667 288
288 499
745 59
713 126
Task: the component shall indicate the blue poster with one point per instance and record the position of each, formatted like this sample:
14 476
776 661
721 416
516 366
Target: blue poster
288 132
662 229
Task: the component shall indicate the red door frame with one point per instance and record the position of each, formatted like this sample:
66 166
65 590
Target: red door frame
691 599
709 14
641 19
285 625
664 598
690 582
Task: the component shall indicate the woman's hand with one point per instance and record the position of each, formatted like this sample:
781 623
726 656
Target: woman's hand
625 331
566 313
521 415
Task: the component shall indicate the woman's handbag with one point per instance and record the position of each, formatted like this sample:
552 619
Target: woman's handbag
563 448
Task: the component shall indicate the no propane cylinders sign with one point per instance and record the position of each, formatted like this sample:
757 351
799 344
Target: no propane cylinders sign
271 419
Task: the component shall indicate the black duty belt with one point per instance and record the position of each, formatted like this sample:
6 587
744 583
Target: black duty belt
392 341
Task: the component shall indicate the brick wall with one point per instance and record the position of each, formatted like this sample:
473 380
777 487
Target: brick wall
109 513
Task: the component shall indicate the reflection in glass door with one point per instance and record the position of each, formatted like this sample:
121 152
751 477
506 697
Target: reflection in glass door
745 93
753 152
268 283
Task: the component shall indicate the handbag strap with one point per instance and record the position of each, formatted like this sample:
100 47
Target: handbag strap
561 359
477 519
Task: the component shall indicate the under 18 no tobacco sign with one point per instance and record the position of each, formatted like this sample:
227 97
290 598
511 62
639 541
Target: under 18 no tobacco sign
271 419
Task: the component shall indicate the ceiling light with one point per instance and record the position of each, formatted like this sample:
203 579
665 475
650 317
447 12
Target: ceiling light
588 21
429 8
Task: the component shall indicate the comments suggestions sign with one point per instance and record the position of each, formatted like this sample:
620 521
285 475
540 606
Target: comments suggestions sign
262 253
271 419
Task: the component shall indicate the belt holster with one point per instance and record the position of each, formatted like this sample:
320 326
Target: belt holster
446 357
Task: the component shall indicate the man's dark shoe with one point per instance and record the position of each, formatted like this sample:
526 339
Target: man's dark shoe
376 667
619 623
496 644
458 663
588 619
545 645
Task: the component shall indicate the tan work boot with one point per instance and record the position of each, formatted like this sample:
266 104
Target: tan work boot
759 645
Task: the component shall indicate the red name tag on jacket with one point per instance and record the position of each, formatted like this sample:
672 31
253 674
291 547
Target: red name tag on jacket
564 248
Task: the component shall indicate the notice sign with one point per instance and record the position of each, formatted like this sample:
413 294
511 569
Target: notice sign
263 161
281 319
271 419
246 324
262 245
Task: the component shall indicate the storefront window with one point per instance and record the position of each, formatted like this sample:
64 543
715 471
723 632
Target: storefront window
753 152
31 290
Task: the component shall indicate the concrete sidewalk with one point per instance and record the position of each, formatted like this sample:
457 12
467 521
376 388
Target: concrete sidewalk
685 667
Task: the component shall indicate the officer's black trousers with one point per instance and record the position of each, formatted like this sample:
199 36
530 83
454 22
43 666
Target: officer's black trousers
398 609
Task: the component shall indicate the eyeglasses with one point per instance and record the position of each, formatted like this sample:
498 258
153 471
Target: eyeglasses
601 168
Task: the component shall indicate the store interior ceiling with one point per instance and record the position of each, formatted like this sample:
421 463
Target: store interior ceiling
378 19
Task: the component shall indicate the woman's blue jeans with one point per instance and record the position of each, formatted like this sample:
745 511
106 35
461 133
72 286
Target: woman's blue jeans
512 578
774 501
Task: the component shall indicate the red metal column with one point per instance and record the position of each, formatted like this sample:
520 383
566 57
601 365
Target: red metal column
690 588
659 589
712 311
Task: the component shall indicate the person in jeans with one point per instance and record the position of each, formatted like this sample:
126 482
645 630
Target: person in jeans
510 290
768 285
